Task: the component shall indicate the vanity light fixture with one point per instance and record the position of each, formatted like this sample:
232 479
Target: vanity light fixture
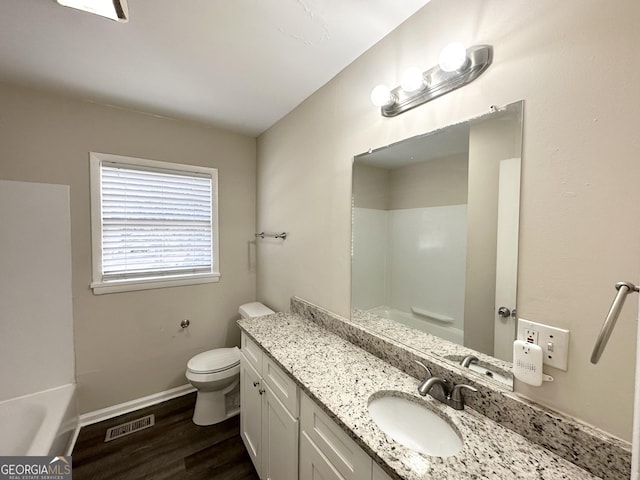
381 96
457 67
117 10
453 57
412 79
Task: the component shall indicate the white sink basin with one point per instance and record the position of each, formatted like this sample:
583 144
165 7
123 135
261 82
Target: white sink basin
414 425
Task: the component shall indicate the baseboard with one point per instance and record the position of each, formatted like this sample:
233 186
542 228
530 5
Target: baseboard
133 405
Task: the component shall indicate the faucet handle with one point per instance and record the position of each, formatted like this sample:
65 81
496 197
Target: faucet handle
457 399
425 367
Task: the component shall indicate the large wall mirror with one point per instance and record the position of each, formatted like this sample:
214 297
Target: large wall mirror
435 240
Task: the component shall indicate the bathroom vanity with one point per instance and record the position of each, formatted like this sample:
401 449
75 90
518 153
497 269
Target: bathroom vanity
269 405
278 419
329 383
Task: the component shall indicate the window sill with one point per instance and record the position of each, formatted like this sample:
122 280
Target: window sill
115 286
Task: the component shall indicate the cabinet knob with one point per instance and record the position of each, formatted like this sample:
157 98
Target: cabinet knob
255 384
261 391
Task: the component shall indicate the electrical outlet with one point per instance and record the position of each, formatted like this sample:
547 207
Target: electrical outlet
553 341
531 336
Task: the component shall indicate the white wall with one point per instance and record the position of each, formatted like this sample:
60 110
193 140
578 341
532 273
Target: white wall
427 256
490 141
130 344
576 66
412 257
370 234
435 182
370 187
36 322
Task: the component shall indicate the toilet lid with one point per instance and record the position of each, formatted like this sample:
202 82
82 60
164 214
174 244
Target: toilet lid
214 360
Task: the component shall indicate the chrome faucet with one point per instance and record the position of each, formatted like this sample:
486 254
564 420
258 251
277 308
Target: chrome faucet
430 383
468 360
440 389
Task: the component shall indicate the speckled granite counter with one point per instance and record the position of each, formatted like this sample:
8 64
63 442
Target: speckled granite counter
593 450
425 342
341 377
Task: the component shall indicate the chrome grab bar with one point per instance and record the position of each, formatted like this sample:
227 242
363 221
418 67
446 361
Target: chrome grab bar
624 288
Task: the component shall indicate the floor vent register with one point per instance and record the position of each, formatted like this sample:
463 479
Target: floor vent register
130 427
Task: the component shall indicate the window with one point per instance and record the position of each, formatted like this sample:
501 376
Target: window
154 224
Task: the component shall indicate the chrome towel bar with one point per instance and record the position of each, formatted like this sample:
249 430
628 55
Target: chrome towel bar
624 288
282 235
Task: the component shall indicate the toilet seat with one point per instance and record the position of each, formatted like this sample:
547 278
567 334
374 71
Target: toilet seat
214 361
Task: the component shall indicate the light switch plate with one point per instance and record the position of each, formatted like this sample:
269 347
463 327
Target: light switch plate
554 342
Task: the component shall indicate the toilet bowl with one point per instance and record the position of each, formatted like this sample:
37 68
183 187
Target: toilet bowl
216 373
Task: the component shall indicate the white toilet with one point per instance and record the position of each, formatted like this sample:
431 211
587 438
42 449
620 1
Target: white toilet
216 373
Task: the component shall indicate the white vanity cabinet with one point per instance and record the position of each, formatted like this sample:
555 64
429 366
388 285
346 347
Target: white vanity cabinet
327 452
378 473
288 436
269 406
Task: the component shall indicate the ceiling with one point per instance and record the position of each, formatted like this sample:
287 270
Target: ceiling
445 142
449 141
238 64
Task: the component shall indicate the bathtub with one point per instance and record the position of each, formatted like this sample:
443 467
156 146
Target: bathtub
42 423
447 332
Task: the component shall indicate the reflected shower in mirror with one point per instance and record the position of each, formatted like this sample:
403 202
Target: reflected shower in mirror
435 240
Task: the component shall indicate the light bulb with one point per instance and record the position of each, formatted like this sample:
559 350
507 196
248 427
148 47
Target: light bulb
453 57
412 79
381 96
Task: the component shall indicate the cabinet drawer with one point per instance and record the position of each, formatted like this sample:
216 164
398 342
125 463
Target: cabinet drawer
252 352
281 384
339 449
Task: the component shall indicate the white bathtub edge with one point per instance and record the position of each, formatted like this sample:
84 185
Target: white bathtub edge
72 442
59 409
96 416
447 331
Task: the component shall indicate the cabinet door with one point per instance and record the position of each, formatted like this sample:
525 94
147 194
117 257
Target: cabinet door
251 412
378 473
313 464
279 439
336 446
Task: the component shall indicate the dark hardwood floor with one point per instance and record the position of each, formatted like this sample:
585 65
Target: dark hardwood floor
174 448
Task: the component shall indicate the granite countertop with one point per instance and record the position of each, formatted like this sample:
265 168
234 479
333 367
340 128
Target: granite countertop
425 342
341 377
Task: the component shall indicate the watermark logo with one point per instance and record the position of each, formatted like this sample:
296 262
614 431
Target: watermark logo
35 468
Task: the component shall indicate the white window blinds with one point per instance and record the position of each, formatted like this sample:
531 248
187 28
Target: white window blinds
156 223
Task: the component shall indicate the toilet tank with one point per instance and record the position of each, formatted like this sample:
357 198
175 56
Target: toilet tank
254 309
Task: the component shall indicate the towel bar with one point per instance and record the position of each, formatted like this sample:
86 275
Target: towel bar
624 288
282 235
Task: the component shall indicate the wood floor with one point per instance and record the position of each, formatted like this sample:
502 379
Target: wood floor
174 448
